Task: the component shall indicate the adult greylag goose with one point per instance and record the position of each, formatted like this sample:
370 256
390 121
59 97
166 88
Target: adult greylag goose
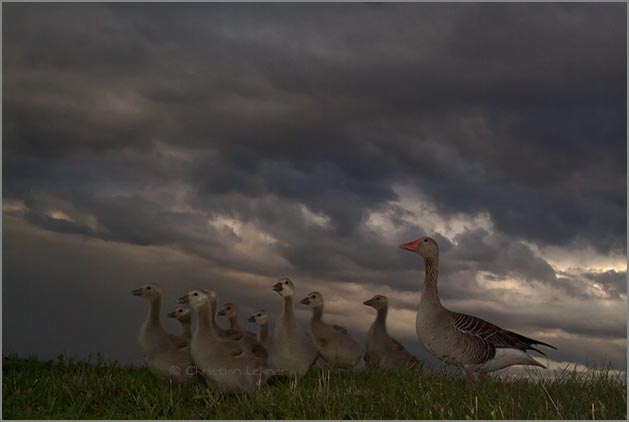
336 346
184 316
161 352
261 318
230 311
460 339
228 365
291 349
382 350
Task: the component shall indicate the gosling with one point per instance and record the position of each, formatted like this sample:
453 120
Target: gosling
383 351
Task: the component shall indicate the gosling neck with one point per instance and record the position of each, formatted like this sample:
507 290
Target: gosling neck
233 323
205 316
212 316
288 311
381 318
186 328
317 313
264 333
154 310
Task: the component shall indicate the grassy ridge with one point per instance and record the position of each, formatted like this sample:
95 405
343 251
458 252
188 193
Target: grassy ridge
33 389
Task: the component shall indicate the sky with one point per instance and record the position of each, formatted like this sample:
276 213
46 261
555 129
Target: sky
224 146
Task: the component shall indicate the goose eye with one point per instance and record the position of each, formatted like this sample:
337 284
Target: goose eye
286 282
148 288
195 294
313 296
259 315
425 240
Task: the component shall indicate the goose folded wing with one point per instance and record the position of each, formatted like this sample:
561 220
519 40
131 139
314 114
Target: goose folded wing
494 335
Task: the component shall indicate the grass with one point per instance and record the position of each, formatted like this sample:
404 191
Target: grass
67 389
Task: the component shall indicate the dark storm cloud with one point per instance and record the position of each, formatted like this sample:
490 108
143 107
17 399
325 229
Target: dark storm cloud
147 124
613 282
508 119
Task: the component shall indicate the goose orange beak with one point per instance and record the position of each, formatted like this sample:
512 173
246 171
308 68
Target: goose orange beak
411 246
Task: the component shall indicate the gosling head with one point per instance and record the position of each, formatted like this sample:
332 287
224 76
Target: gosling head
148 291
260 317
229 311
284 287
181 314
377 302
313 300
196 298
424 246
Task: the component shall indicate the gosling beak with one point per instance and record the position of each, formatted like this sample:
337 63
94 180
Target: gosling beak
368 302
221 312
252 319
277 287
183 299
305 301
172 314
411 246
137 292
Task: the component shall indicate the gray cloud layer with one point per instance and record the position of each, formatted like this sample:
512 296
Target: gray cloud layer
142 123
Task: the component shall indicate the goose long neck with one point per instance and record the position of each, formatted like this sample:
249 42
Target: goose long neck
264 333
154 310
186 328
430 280
212 316
317 313
289 314
205 316
233 323
381 318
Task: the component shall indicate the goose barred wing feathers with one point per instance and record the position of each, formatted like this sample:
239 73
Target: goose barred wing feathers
494 335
